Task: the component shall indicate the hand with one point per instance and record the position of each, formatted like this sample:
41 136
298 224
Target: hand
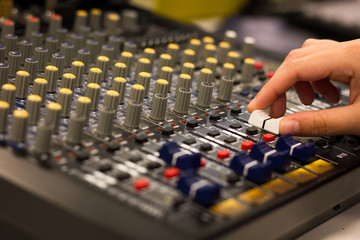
309 69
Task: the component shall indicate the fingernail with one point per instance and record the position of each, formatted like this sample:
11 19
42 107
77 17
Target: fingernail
290 126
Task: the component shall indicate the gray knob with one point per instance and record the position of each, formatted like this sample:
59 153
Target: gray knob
61 34
77 41
4 111
31 66
95 18
143 65
130 46
159 100
55 23
211 64
234 58
4 73
94 76
58 60
83 55
75 129
37 38
64 98
41 54
248 47
26 49
127 57
18 130
119 85
77 69
93 92
230 37
8 27
102 62
205 93
108 51
105 122
94 48
144 80
188 68
52 117
209 50
51 75
184 81
112 23
188 56
222 52
248 68
82 108
67 49
208 40
225 89
100 37
206 75
164 60
84 31
8 95
68 81
116 42
111 100
150 54
130 20
2 53
166 73
40 88
120 70
14 62
134 107
182 101
43 137
228 70
10 43
195 44
51 43
80 19
173 50
33 105
22 84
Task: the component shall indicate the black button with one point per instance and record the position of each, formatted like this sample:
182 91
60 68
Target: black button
321 142
213 133
260 72
235 110
262 77
192 123
205 147
189 141
168 130
141 138
105 166
153 165
82 155
113 146
135 158
236 125
251 131
215 116
232 178
230 139
120 175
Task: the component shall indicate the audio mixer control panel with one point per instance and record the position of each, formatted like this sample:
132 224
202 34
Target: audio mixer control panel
149 126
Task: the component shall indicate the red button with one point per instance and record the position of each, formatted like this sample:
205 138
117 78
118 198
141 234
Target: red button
33 19
268 137
141 183
202 162
8 22
269 74
224 153
171 172
247 145
259 65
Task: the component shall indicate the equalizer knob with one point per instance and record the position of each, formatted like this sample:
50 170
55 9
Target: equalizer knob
30 66
182 101
14 62
75 129
150 54
108 51
65 96
164 60
206 75
167 74
51 76
26 49
112 22
2 53
248 47
82 108
222 52
22 84
102 62
58 60
95 18
77 69
54 24
188 68
120 70
8 27
80 19
33 105
144 79
93 92
188 56
52 116
119 85
228 70
8 95
248 68
4 73
205 94
225 89
40 88
105 121
173 50
42 138
111 100
10 43
143 65
83 55
68 81
94 76
159 100
184 81
230 37
41 54
18 130
4 111
211 64
134 107
234 58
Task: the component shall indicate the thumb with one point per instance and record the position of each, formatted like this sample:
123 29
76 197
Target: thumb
334 121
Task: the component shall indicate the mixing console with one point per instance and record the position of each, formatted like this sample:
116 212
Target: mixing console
113 129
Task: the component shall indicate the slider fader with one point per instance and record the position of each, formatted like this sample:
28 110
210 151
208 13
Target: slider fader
116 128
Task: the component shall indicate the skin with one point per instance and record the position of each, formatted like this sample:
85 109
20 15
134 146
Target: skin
309 69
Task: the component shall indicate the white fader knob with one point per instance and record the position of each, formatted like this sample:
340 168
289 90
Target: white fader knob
260 119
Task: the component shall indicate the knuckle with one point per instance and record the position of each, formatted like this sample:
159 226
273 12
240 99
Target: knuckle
309 42
319 125
293 54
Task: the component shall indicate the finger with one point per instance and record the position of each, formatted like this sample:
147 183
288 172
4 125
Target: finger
327 89
314 67
313 41
279 107
334 121
305 92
